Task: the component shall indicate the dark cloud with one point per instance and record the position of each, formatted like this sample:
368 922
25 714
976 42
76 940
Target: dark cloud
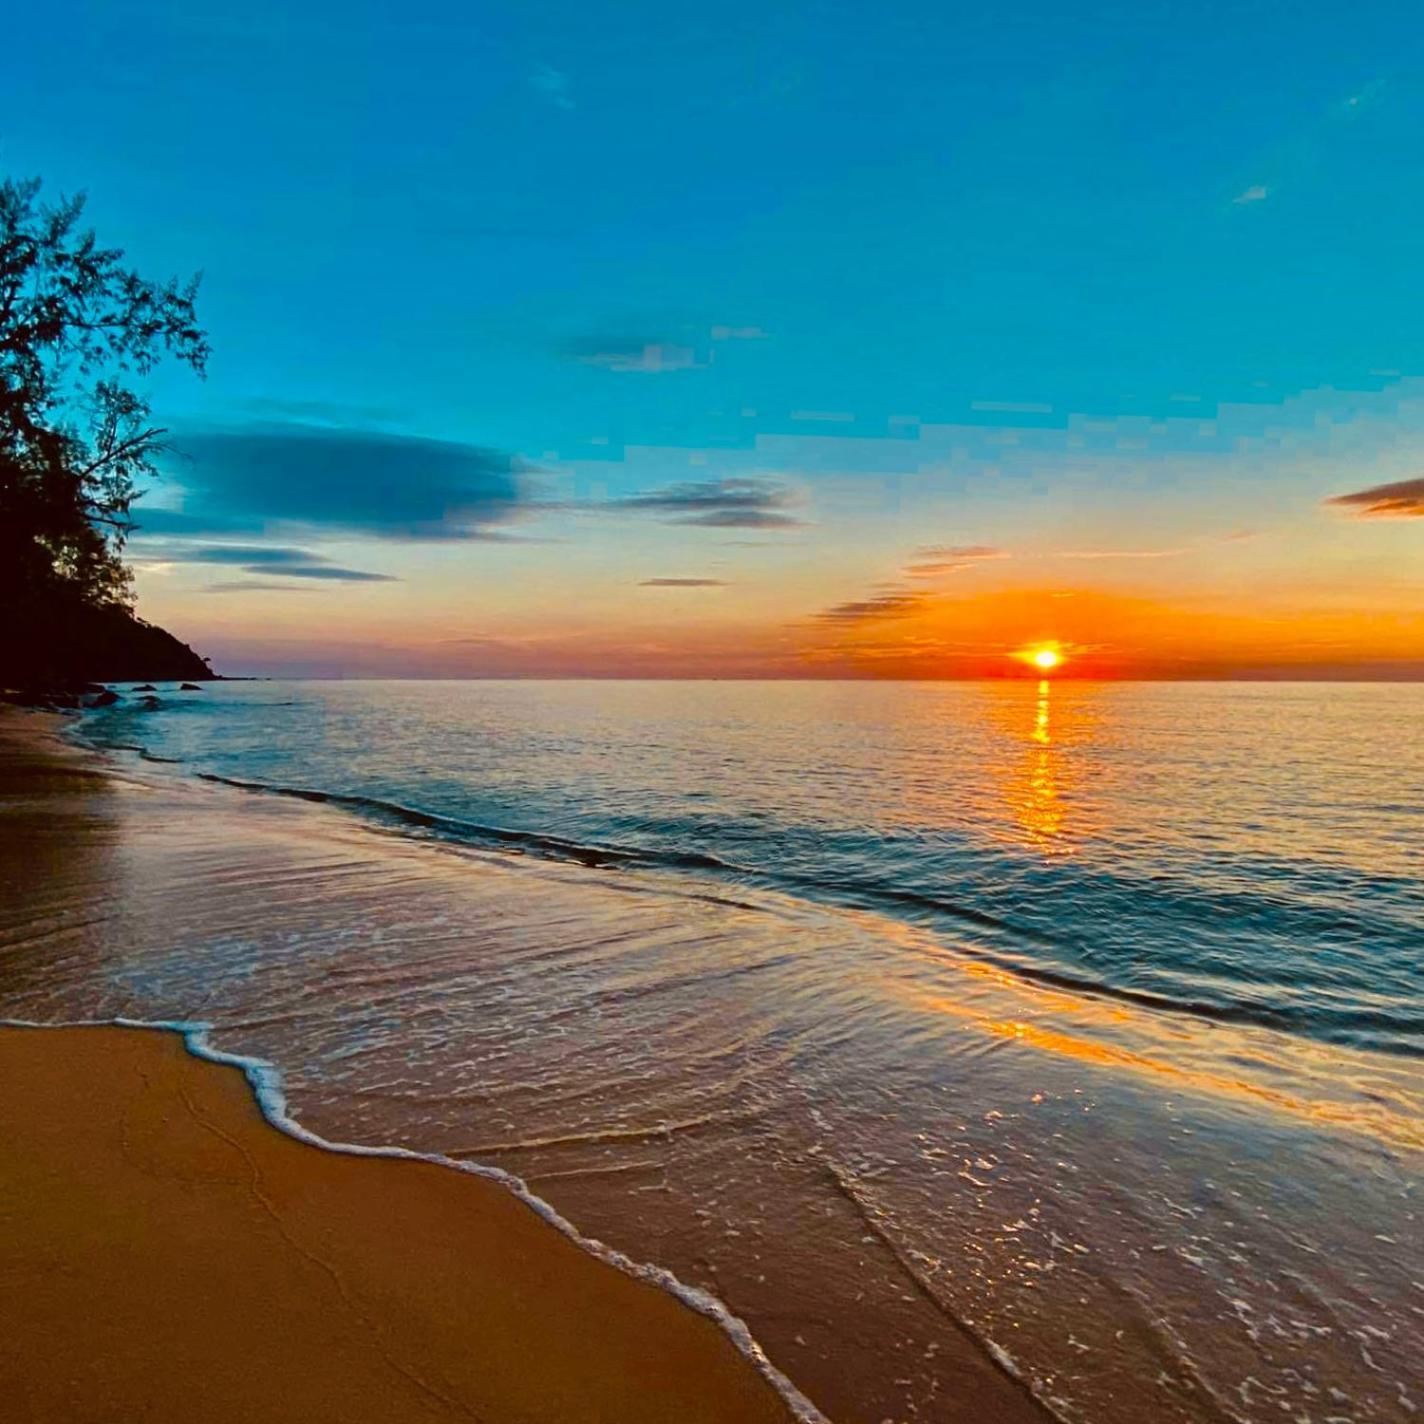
897 604
349 481
237 554
683 583
266 559
718 504
1403 500
327 571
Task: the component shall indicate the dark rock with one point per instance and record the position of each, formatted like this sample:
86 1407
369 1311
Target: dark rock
104 698
190 687
150 704
144 687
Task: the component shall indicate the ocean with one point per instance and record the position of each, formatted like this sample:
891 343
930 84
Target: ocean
1006 1049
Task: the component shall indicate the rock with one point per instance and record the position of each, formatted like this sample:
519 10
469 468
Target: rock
106 697
190 687
150 704
144 687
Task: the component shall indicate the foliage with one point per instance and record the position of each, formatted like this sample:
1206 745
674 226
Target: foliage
76 326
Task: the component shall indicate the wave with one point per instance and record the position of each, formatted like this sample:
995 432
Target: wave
1393 1028
265 1080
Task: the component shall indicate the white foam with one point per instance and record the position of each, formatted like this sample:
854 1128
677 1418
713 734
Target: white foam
265 1079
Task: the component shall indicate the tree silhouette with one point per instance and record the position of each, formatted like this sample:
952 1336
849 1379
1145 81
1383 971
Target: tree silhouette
76 326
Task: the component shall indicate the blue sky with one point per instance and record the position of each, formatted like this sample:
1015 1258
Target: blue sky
886 260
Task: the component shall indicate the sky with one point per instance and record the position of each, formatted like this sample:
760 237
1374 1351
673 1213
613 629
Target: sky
787 340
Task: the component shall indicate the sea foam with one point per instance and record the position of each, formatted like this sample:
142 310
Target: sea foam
265 1080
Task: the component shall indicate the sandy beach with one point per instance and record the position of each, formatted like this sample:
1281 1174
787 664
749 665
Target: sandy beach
932 1190
165 1251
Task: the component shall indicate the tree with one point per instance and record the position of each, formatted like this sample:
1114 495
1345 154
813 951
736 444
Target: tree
76 326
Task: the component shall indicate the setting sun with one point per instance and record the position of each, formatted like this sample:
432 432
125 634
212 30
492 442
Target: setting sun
1043 656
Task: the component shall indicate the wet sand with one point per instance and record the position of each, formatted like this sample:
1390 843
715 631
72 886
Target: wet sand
166 1253
104 868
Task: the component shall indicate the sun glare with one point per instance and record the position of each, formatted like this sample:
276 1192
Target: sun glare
1045 657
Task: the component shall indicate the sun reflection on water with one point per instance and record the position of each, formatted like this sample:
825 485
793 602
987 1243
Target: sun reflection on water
1035 794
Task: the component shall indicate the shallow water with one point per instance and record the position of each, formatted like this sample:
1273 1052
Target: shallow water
989 1048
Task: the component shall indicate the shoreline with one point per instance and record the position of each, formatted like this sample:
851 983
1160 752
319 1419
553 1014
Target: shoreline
157 1203
885 1158
603 1336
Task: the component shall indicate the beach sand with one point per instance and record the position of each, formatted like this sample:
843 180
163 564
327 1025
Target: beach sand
166 1253
132 892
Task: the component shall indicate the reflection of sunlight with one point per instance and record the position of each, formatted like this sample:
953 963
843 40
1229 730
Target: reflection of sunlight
1040 726
1322 1084
1038 803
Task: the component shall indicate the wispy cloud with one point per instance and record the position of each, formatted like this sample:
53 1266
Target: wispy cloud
634 354
255 586
1256 193
553 84
284 561
1401 500
717 504
1362 98
739 333
898 603
1121 553
682 583
937 559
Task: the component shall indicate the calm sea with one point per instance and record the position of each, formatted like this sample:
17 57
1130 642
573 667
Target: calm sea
1075 1026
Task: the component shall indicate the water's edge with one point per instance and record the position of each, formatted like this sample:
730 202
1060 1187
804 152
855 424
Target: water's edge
264 1078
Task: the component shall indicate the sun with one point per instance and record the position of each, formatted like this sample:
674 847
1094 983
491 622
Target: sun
1044 657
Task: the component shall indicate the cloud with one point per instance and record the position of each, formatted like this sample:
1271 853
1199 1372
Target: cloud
739 333
1121 553
633 353
255 586
553 84
343 480
1402 500
238 554
996 407
1256 193
937 559
718 504
899 603
267 559
1364 97
683 583
328 571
